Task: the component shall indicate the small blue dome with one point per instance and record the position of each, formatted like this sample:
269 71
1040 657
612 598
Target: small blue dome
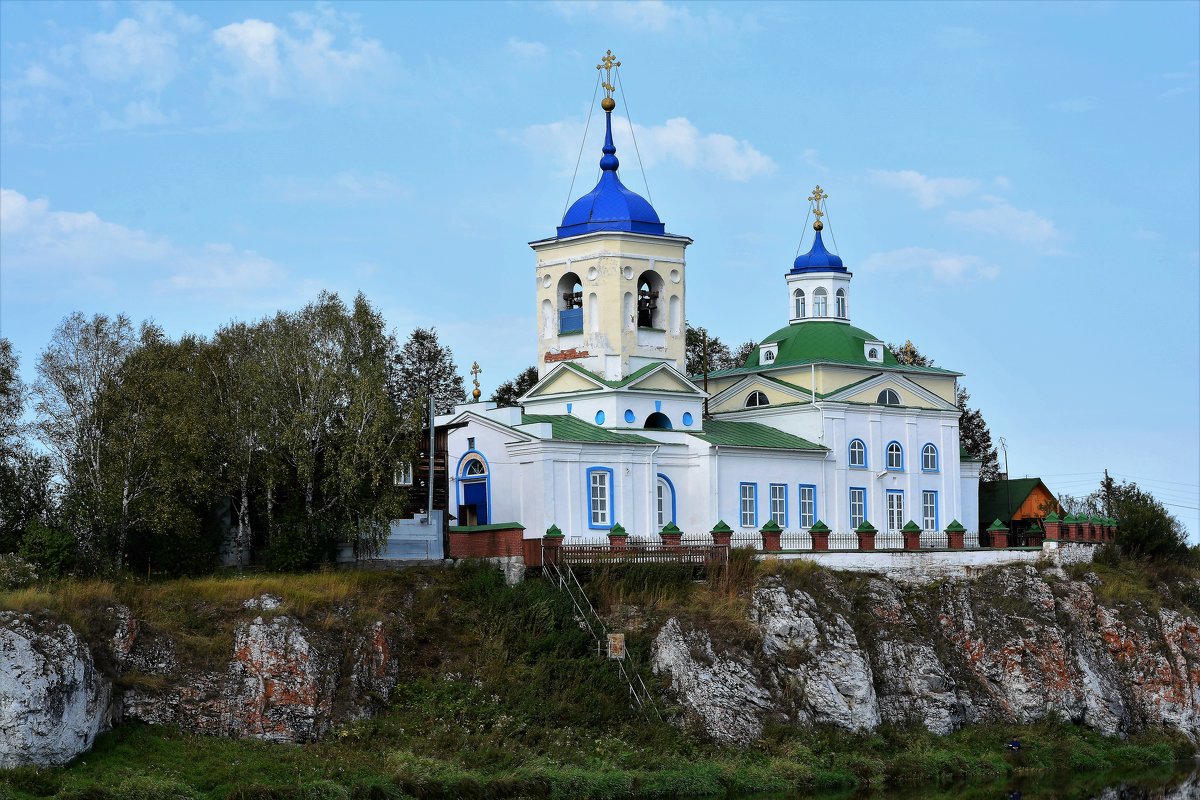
818 259
610 206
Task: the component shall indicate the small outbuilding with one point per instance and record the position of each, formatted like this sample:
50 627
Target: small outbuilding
1019 502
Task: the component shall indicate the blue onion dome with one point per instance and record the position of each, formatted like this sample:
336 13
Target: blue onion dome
818 259
610 206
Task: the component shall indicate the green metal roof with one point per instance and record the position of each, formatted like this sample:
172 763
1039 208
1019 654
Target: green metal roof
566 428
751 434
628 379
1001 499
825 343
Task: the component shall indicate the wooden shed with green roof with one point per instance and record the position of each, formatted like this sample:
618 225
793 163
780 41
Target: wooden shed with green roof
1018 502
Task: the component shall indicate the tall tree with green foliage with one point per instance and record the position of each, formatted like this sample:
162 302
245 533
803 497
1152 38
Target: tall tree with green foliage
26 491
81 359
1145 529
718 356
424 368
507 393
973 432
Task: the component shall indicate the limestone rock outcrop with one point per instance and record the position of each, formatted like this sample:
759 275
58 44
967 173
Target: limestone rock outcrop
1010 644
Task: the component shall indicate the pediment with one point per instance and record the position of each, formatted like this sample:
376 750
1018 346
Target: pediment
664 379
778 392
564 380
911 394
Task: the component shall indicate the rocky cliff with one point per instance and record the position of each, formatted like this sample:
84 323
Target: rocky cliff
280 679
1011 644
793 645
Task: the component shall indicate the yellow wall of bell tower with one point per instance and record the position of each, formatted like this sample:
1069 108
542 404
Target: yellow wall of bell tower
611 325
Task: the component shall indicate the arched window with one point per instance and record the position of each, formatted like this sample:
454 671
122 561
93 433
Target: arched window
858 453
888 397
651 313
474 467
873 354
841 303
757 399
819 302
895 456
570 304
664 502
929 458
798 298
658 421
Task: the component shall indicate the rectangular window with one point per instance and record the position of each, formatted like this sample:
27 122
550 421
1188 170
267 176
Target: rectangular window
929 510
749 498
779 504
808 506
599 497
858 507
403 476
895 511
660 503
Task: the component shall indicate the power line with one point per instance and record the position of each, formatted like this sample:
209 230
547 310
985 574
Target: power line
586 127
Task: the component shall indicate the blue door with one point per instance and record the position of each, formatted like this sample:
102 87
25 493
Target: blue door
475 495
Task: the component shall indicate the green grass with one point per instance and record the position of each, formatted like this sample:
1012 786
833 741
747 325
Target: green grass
500 695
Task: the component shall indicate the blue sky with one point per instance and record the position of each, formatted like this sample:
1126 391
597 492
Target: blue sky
1014 185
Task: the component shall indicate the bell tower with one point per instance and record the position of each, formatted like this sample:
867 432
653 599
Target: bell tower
611 283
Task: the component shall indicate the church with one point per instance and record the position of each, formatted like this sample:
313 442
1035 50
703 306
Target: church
820 424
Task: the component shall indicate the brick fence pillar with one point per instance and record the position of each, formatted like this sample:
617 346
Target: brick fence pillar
552 545
722 534
866 536
820 535
771 533
1053 527
672 537
912 535
954 535
998 534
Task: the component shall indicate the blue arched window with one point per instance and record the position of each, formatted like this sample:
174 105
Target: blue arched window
895 456
929 458
857 454
888 397
798 297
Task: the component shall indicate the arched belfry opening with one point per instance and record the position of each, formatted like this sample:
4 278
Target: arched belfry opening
650 308
570 304
658 421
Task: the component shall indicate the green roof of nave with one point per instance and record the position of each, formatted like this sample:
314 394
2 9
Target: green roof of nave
824 343
565 428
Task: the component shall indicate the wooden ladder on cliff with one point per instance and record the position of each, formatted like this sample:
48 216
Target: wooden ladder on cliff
563 577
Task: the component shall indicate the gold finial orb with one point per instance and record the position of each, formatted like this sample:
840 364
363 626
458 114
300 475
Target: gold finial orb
476 393
818 226
608 104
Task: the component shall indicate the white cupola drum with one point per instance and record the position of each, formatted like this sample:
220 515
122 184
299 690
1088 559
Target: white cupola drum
818 284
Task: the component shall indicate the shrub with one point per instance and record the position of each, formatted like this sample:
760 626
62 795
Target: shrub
52 549
154 787
16 572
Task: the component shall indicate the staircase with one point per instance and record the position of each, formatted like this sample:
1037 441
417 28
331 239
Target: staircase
563 577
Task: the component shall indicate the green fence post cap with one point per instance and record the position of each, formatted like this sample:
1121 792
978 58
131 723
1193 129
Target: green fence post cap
671 528
955 527
554 532
617 530
819 527
866 527
997 526
721 527
771 527
1052 517
911 527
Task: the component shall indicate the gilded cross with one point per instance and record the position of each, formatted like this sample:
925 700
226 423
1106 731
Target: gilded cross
816 198
475 370
607 63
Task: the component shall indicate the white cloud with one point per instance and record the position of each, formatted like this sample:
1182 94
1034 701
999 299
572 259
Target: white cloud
657 16
944 266
80 248
143 50
525 49
265 59
675 141
343 187
928 192
1004 220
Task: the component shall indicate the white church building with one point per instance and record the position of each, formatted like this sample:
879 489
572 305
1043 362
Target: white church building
819 423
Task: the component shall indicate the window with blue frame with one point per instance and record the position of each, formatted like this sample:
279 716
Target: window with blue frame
929 458
858 454
808 506
929 511
779 504
599 497
895 456
749 505
858 506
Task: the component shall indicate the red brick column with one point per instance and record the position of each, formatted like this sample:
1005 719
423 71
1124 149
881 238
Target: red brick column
954 535
770 537
912 535
999 534
1053 527
722 534
672 537
866 536
820 535
552 545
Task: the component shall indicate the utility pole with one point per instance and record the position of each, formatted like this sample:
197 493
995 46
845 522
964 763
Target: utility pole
704 359
1107 494
1007 483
